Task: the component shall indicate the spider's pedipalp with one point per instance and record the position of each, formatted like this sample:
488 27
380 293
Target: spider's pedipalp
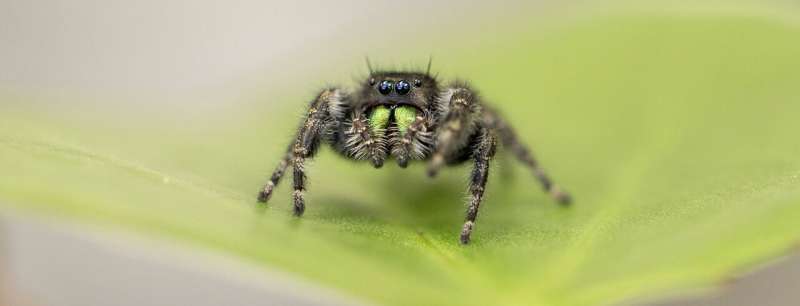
414 143
361 143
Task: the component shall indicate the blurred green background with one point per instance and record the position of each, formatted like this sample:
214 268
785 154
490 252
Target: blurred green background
674 126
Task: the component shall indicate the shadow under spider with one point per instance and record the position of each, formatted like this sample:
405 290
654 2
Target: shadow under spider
408 199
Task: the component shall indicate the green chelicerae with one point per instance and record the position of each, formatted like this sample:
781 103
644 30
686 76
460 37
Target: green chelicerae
404 115
379 119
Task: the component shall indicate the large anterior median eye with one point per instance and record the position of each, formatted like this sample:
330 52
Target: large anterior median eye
402 87
404 116
379 119
385 87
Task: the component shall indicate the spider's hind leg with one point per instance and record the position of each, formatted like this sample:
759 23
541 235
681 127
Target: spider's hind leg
510 140
277 174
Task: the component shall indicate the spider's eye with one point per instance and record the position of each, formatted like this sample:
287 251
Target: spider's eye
371 81
402 87
417 83
385 87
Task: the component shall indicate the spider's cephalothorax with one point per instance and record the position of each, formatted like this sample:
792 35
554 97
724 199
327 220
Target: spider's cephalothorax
406 116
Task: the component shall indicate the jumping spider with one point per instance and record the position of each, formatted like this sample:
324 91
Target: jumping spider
407 116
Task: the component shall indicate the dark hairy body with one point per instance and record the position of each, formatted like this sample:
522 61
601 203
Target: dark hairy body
406 116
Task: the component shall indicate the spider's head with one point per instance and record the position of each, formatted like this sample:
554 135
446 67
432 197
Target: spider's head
396 99
394 89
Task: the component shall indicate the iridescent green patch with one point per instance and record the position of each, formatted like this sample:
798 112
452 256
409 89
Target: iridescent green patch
379 119
403 116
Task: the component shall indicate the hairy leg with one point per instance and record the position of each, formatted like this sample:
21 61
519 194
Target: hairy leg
304 146
299 178
484 151
510 140
462 114
277 174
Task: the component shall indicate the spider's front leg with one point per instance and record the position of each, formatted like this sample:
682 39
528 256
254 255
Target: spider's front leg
459 127
483 153
304 146
460 115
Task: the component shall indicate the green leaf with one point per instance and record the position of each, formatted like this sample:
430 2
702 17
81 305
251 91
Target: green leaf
677 135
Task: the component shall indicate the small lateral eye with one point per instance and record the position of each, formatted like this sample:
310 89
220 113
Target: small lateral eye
371 81
402 87
385 87
417 83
